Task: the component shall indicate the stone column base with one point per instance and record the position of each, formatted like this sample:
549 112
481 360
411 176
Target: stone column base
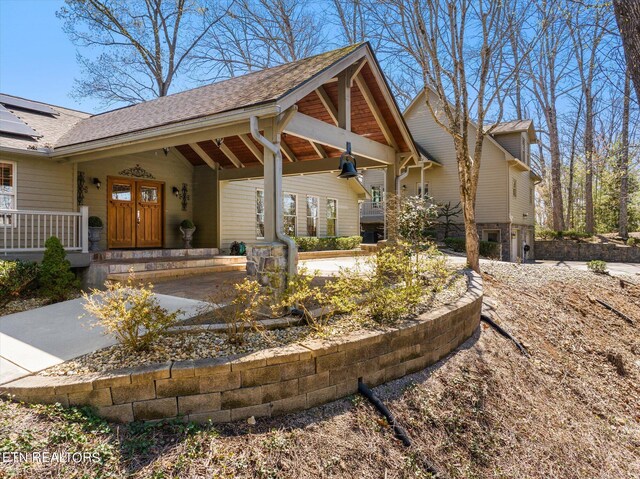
268 263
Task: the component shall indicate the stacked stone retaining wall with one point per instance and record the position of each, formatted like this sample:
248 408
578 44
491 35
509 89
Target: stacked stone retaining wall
265 383
566 250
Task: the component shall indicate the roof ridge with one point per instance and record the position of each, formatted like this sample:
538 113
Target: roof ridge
288 64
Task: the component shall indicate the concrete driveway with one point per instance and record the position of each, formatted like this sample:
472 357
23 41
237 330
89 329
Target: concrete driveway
40 338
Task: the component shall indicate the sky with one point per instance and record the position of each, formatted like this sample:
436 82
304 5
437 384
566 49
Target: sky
37 60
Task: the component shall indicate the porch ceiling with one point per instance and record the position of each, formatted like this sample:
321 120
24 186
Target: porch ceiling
363 123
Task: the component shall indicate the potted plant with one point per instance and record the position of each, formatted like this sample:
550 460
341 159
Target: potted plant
95 232
187 228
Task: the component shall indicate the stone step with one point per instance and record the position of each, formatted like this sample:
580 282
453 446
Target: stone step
153 253
177 272
158 264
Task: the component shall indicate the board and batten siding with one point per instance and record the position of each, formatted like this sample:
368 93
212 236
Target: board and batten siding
43 184
238 206
170 169
492 202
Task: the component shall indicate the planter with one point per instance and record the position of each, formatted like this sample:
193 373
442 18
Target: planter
95 232
187 236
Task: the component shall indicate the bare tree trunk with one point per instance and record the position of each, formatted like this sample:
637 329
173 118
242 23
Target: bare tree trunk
588 158
624 159
628 19
556 173
572 157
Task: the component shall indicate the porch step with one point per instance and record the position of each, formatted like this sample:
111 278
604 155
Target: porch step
178 272
153 253
140 265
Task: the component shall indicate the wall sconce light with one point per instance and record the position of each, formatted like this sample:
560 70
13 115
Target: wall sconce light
166 151
219 142
175 191
97 183
182 194
404 187
525 215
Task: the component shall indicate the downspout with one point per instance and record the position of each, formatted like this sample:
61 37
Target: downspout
292 249
399 178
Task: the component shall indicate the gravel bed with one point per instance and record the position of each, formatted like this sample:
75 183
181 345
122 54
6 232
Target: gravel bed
536 275
20 305
208 344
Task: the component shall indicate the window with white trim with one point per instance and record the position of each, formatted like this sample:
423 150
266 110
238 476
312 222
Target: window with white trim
376 194
7 189
289 210
514 187
419 189
313 203
259 214
332 217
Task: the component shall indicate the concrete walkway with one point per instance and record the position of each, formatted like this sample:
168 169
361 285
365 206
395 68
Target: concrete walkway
40 338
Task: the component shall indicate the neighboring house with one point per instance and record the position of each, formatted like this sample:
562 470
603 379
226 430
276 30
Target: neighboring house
506 191
199 154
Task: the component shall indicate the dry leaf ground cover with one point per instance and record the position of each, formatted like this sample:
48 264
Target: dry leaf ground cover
570 411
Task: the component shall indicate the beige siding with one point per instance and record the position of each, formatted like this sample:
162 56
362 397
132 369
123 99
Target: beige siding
238 206
205 210
170 169
373 178
520 204
512 142
491 206
43 184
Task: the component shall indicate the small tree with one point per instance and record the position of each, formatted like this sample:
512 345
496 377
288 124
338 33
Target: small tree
130 313
57 281
449 212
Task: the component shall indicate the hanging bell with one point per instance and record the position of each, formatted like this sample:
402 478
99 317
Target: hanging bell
347 166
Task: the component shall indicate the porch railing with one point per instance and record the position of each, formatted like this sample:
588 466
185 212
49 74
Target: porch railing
372 208
28 230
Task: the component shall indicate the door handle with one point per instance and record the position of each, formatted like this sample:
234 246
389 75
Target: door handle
138 216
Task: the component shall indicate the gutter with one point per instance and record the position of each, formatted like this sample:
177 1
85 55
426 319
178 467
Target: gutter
44 152
173 129
292 249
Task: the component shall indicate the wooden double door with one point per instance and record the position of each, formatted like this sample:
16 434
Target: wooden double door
134 213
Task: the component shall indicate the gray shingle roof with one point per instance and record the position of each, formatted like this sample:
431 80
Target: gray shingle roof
248 90
514 126
49 128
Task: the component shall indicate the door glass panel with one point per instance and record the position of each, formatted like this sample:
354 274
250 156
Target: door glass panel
149 194
121 192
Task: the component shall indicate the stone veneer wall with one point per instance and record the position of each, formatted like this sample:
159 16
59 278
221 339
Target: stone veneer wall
264 383
566 250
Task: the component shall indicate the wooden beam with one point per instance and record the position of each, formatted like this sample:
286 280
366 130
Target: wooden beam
355 70
252 146
319 149
288 169
309 128
377 114
203 155
327 103
283 119
231 155
344 99
287 151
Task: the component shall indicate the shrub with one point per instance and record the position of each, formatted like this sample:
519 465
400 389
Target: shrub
574 234
632 241
237 305
456 244
547 234
187 225
313 243
597 266
15 278
131 313
301 294
488 249
95 222
57 281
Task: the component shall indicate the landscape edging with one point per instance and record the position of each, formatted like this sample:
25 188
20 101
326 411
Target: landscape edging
268 382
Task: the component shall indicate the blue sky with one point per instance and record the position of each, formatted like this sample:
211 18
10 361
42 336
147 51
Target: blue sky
37 60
